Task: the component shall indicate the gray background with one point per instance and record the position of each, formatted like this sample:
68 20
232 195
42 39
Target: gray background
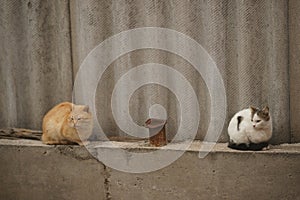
255 44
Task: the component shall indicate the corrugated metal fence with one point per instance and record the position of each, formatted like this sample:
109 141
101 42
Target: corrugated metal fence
255 44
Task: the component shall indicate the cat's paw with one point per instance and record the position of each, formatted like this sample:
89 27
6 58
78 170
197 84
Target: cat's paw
51 142
82 143
266 148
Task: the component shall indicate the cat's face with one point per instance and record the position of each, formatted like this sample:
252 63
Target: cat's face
260 118
79 116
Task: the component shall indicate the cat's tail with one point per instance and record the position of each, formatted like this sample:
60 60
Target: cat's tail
238 146
239 119
249 147
15 133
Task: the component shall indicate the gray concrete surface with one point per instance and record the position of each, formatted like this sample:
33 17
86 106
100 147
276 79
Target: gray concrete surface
44 172
31 170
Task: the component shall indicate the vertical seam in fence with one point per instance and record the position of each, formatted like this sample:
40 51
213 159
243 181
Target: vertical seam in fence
289 72
71 41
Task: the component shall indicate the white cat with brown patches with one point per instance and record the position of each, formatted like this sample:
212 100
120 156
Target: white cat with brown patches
67 123
250 129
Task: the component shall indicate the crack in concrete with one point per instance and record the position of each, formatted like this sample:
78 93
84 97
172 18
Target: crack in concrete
106 175
75 152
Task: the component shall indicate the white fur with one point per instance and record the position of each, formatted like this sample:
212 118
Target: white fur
249 132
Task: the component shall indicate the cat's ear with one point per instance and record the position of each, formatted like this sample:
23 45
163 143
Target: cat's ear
86 109
253 109
266 110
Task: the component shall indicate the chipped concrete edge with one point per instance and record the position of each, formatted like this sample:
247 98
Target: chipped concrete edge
77 152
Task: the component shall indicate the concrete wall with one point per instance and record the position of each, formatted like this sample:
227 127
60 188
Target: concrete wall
44 43
49 173
31 170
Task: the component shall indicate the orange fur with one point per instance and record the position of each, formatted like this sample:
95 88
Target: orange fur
67 123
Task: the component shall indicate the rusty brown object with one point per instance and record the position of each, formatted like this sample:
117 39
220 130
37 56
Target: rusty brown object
157 132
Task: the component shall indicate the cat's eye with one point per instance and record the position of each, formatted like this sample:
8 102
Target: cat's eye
78 118
257 121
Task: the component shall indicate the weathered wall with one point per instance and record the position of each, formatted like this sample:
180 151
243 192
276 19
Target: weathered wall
35 60
49 173
294 19
36 171
249 41
248 45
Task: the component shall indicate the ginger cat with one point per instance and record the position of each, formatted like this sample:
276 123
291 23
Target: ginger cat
65 122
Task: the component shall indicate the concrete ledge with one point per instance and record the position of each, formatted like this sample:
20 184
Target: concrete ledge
32 170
